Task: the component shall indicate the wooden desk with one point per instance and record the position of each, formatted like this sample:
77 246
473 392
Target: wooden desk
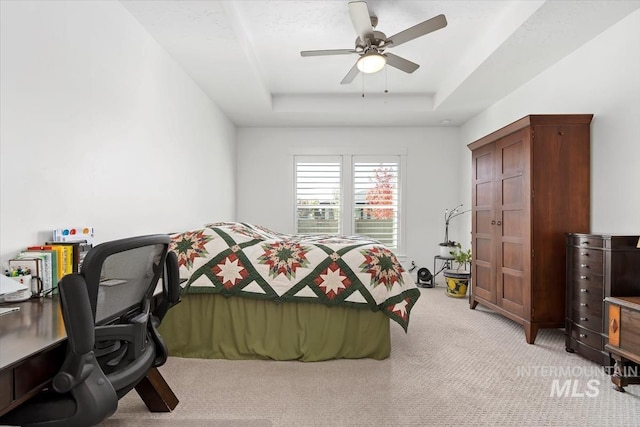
624 338
32 348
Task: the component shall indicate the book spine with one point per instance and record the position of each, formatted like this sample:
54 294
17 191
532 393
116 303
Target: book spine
67 259
72 259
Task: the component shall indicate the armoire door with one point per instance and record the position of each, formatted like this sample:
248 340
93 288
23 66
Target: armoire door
512 222
483 224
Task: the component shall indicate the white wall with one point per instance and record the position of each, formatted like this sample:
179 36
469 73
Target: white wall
603 78
265 176
100 127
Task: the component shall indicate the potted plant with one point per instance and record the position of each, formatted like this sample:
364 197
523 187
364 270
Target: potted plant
446 248
458 281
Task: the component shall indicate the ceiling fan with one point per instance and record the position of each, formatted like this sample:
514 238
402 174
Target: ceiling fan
370 45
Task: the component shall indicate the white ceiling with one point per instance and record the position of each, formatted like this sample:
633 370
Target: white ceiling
246 55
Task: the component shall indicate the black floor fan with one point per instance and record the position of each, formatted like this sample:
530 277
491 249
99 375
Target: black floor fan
424 278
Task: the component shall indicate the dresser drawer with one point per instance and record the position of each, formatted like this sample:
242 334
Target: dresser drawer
587 284
587 336
588 241
587 261
588 314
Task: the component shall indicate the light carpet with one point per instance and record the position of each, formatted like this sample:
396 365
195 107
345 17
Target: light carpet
455 367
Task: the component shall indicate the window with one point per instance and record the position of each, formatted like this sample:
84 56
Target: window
367 187
318 196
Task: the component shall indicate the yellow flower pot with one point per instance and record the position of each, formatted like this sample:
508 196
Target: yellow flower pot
457 283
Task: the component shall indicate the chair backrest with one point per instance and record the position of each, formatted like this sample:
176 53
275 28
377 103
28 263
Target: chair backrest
122 277
123 274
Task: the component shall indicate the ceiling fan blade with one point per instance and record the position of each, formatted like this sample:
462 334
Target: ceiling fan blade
359 13
326 52
419 30
353 72
400 63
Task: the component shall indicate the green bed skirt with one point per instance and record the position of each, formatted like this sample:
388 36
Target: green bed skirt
210 326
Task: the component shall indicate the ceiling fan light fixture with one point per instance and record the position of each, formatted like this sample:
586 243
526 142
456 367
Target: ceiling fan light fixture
371 62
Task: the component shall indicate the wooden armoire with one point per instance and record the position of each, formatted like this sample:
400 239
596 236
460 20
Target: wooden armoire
530 186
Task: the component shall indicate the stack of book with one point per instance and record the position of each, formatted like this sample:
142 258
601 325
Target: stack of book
49 262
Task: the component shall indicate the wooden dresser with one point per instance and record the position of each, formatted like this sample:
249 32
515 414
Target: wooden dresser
598 266
530 185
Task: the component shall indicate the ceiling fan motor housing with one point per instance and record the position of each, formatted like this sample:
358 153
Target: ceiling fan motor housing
378 40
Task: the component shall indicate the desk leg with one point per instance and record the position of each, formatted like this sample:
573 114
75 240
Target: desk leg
156 393
618 378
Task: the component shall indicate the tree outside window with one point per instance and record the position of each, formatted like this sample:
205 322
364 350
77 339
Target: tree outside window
381 194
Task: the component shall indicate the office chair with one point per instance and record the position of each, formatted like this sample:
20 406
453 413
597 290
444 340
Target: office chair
111 323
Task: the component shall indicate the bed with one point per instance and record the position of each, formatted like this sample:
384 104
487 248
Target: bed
252 293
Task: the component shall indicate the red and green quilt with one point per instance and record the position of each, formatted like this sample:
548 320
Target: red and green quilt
238 259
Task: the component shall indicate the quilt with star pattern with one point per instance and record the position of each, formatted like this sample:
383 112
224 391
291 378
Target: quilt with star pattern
239 259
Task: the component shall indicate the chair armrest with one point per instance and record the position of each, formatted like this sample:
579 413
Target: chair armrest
75 370
170 287
76 307
79 323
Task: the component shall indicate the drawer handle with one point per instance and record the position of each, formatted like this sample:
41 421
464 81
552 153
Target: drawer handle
584 254
584 242
583 335
584 277
584 319
493 222
583 304
584 290
584 266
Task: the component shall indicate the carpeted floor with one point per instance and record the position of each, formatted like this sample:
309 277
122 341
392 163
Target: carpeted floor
454 367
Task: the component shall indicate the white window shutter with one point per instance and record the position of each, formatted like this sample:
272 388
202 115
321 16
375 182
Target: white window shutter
318 186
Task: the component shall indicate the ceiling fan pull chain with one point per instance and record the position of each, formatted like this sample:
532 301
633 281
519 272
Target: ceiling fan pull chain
386 71
362 84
